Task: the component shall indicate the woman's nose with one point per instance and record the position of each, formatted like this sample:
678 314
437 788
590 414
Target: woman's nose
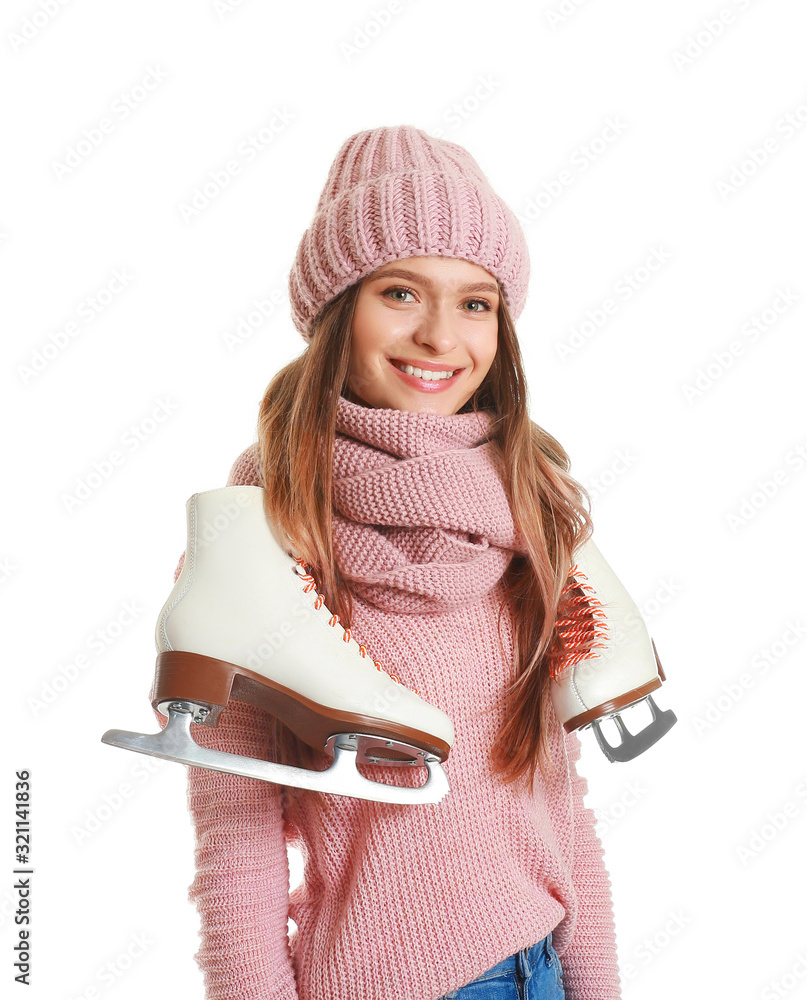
436 329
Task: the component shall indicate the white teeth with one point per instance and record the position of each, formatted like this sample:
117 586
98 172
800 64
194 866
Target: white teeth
427 374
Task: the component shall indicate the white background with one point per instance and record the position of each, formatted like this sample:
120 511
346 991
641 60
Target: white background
660 113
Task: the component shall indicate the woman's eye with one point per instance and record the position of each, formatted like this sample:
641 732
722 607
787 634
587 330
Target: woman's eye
481 304
394 294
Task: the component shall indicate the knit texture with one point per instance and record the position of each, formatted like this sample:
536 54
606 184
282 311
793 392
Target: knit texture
398 192
400 543
405 902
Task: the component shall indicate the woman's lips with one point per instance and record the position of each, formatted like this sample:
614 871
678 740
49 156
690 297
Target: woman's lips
433 366
425 385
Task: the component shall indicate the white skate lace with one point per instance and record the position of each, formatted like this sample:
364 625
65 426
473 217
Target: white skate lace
302 569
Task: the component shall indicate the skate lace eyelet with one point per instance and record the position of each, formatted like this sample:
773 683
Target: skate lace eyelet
300 567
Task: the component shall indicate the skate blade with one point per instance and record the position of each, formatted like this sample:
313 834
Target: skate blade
634 744
341 778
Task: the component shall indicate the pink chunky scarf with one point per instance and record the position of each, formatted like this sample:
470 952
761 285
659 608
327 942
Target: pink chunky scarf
421 518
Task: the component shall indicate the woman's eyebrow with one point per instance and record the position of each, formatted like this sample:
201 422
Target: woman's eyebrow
399 272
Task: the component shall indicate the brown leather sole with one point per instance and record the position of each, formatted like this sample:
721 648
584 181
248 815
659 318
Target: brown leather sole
183 676
607 707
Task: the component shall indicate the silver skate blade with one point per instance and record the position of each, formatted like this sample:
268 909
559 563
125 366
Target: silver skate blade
341 778
634 744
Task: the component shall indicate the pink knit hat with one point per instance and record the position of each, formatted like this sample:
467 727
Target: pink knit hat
397 192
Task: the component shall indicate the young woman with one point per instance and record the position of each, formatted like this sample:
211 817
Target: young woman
439 523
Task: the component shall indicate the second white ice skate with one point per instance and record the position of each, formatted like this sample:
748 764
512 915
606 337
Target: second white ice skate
621 670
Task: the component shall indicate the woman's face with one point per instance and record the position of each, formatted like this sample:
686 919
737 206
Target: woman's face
433 313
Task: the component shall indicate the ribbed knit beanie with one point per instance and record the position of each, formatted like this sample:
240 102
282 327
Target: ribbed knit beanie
397 192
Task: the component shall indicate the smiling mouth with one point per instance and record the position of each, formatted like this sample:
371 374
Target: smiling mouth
427 374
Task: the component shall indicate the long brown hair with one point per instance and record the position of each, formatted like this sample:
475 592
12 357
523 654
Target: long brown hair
296 428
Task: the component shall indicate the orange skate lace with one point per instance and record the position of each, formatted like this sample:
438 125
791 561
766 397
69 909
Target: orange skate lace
311 584
585 623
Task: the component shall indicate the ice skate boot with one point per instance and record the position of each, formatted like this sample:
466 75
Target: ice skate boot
244 621
621 670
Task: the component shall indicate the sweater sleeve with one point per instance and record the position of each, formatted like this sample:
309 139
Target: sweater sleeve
241 885
590 969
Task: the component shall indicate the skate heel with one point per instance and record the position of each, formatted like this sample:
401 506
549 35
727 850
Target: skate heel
191 677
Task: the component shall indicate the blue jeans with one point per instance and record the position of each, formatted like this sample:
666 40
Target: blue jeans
534 973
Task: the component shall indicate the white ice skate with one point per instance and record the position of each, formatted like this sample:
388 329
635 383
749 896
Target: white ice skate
623 668
244 620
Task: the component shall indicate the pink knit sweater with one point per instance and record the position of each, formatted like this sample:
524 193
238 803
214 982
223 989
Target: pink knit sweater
404 902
